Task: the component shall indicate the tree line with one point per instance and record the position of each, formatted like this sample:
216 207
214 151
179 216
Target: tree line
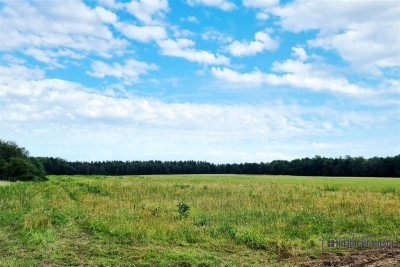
16 164
316 166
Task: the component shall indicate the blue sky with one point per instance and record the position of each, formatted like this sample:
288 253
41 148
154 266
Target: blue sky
215 80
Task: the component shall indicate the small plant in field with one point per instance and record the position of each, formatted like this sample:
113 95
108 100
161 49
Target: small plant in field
183 209
93 189
203 220
388 189
331 188
155 211
182 186
205 187
251 240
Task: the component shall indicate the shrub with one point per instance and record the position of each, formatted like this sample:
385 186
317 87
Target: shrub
155 211
331 188
183 209
251 240
181 186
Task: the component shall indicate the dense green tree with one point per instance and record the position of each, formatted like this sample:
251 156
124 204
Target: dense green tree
317 166
18 169
9 149
236 169
16 165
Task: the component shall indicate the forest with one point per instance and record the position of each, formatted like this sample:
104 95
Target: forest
316 166
16 164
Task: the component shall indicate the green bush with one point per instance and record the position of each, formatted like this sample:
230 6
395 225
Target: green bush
16 165
183 209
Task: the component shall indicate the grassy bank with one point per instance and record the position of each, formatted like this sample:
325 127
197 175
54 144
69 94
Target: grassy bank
199 220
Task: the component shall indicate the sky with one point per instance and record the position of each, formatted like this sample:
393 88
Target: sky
215 80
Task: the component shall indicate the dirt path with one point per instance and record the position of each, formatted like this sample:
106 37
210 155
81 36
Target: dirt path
357 259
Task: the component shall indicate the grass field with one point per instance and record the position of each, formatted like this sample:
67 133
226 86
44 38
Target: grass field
187 220
4 183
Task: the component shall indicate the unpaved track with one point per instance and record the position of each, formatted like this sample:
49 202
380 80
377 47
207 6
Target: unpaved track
357 259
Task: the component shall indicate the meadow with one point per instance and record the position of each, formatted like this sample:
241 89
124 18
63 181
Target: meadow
187 220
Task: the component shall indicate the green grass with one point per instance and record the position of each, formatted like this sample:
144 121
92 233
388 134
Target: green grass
187 220
4 183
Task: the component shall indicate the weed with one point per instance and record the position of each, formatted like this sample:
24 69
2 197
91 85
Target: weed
331 188
93 189
181 186
251 240
388 190
183 209
155 211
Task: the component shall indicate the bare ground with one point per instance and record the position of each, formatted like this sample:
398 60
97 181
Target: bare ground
375 258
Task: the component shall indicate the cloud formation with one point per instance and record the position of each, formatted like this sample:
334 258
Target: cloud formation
225 5
296 76
364 33
140 78
49 25
183 48
148 12
128 73
262 41
143 34
70 109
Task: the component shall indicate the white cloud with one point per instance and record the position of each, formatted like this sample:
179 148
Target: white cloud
251 79
296 74
214 35
298 67
129 72
143 34
15 71
313 76
364 33
190 19
225 5
183 48
149 12
62 101
179 33
52 25
111 4
264 4
35 108
11 59
262 16
105 15
51 56
263 41
299 53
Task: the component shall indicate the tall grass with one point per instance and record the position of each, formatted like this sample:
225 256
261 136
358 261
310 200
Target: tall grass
192 220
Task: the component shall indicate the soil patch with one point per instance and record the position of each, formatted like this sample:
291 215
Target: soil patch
375 258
